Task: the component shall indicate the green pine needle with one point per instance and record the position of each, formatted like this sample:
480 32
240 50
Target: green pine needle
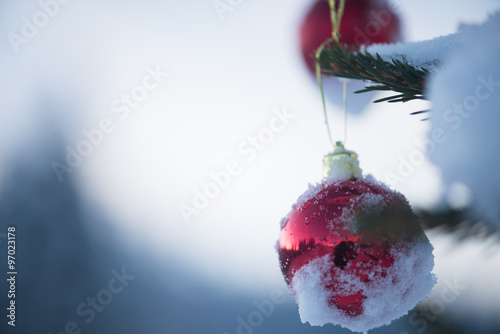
398 76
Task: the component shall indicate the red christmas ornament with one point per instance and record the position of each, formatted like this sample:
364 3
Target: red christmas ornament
364 22
352 251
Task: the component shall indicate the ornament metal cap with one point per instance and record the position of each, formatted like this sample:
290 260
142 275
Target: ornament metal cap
341 164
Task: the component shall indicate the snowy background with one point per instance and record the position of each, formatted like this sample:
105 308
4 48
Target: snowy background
119 207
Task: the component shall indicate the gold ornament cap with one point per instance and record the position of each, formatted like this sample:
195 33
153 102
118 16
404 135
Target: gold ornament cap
341 164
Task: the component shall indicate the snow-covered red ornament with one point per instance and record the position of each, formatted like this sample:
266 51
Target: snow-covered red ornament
351 250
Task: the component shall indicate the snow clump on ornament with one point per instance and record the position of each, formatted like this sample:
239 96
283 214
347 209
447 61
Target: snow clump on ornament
352 252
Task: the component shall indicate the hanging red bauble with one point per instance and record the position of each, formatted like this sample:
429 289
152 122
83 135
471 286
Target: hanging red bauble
352 251
364 22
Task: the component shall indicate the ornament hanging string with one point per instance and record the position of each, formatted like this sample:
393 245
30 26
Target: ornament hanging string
336 17
344 96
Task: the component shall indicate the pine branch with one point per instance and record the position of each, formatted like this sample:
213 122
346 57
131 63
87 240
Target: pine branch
461 224
409 84
408 81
